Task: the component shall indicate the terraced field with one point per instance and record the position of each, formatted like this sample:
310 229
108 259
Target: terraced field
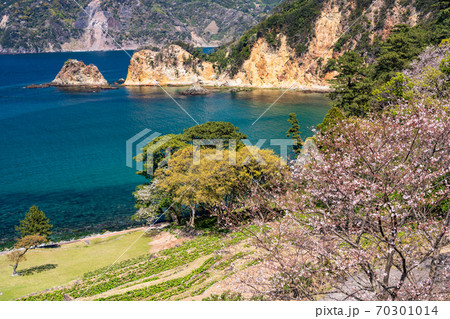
182 272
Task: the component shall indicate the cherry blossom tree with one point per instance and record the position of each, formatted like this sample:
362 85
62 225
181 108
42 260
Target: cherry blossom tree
367 218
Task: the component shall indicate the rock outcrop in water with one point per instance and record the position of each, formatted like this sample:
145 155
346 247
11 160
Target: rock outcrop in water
170 66
76 73
265 68
195 89
77 76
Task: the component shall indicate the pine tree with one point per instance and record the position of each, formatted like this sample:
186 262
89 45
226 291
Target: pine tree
294 133
35 223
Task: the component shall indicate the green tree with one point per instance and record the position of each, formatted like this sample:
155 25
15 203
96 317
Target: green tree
444 66
331 118
215 179
352 86
190 185
21 248
35 223
215 130
398 50
161 147
398 87
294 133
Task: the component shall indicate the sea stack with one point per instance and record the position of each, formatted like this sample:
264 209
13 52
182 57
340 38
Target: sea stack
76 73
195 89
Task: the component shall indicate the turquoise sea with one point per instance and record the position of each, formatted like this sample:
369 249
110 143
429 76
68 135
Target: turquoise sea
65 151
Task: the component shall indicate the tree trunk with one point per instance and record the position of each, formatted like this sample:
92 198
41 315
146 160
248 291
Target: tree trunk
192 221
15 269
175 218
388 266
387 273
17 260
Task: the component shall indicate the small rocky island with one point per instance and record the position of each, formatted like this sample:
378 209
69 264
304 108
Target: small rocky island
75 72
76 75
195 89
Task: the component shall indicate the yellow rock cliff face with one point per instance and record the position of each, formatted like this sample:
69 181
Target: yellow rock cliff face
281 68
171 66
267 67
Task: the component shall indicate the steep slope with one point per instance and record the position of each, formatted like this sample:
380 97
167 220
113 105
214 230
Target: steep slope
177 272
61 25
288 49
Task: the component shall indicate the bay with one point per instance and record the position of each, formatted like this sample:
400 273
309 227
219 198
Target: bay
65 151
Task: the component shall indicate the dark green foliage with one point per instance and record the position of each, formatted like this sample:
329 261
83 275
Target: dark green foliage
352 87
294 19
361 5
434 25
366 69
35 223
399 49
241 51
196 52
159 149
214 130
294 133
331 118
431 6
164 145
152 202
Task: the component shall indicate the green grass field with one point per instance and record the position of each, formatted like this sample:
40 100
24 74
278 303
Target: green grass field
48 268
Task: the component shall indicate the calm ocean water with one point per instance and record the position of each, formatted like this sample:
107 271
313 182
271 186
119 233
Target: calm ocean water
65 151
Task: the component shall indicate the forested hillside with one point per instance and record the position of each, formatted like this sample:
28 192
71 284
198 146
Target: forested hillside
292 47
358 24
37 26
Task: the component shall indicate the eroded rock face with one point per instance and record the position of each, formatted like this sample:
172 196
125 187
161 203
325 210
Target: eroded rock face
267 66
171 66
76 73
278 68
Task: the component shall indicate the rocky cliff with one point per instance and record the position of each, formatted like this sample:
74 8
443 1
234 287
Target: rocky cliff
171 66
279 59
76 73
